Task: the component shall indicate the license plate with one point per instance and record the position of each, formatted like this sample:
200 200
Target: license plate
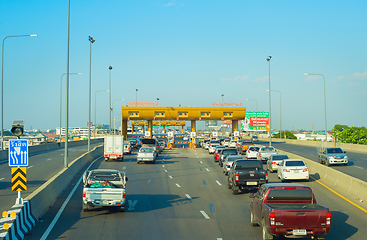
296 171
105 202
113 157
299 232
251 183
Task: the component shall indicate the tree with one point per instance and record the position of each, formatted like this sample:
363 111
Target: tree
288 135
353 135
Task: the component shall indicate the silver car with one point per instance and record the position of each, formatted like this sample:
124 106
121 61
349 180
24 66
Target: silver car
212 147
227 163
274 160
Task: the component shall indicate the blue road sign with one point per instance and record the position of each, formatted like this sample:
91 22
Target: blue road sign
18 153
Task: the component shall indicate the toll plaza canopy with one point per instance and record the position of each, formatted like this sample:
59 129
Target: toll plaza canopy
181 113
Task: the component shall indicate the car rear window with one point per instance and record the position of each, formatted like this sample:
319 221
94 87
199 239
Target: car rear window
294 163
254 149
230 152
289 194
334 150
280 157
269 149
249 164
146 150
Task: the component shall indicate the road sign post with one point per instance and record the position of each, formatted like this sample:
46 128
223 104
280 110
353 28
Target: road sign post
18 161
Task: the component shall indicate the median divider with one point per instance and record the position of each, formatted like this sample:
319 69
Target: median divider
356 188
22 217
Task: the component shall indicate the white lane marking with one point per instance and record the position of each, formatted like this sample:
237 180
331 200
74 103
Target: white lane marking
2 179
364 158
49 159
124 167
178 185
197 156
205 215
218 183
62 154
165 170
188 196
207 169
132 204
52 224
149 180
29 167
359 167
219 238
170 176
201 162
163 166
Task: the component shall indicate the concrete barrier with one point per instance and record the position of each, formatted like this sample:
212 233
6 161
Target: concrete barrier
46 195
341 182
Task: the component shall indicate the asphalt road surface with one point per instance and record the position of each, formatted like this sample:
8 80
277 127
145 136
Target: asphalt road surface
183 196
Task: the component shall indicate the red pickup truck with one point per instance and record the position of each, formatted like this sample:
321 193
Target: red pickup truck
289 210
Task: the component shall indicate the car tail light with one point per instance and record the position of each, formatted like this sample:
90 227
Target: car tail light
286 170
153 154
328 219
124 195
248 151
289 188
305 170
227 165
83 194
266 176
261 154
274 163
272 219
237 177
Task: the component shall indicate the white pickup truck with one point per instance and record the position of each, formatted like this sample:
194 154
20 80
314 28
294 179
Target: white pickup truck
265 152
146 154
104 188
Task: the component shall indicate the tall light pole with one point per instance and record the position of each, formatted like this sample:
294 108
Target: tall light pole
324 101
268 59
95 109
61 99
256 113
66 157
91 40
2 83
113 112
136 98
222 97
280 109
110 68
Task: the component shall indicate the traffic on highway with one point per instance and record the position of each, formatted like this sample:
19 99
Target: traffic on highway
184 195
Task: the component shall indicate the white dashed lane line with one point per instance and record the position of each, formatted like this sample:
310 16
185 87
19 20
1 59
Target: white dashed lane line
207 169
218 183
49 159
358 167
149 180
205 215
188 196
29 167
178 185
2 179
165 170
170 176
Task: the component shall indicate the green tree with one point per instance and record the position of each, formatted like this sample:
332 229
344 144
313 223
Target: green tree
288 135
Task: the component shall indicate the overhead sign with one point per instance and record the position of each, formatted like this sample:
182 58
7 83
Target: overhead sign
19 179
18 153
236 133
147 133
170 134
255 121
215 134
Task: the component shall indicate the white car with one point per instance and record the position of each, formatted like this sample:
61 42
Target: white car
212 147
293 169
251 152
225 142
232 144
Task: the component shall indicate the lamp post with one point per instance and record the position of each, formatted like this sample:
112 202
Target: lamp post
66 154
324 101
113 111
2 83
136 97
256 113
110 68
61 98
95 109
280 109
268 59
222 97
91 40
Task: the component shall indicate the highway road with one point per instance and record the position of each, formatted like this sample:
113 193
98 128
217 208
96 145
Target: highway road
183 196
42 166
357 165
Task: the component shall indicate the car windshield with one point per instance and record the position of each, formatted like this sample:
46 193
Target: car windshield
294 163
334 150
289 194
249 164
268 149
280 157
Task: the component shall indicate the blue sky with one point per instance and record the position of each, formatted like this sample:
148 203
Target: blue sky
187 53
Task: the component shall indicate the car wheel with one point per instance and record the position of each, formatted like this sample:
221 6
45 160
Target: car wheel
266 235
253 222
234 190
86 207
283 180
328 163
320 160
345 164
122 209
229 185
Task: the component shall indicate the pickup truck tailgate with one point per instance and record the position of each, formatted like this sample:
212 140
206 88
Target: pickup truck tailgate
96 194
251 176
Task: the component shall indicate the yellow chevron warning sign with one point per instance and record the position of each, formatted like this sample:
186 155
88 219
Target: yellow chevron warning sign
19 179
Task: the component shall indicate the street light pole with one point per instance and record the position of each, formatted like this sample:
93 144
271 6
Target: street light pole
66 157
136 98
280 114
268 59
2 84
110 68
256 114
222 97
95 109
324 101
61 100
113 112
91 40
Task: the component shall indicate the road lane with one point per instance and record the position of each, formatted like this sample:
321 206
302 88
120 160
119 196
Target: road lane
162 210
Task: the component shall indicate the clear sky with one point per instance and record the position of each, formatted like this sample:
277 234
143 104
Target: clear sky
187 52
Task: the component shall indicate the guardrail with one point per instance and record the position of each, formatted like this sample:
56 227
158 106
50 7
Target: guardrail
4 154
14 226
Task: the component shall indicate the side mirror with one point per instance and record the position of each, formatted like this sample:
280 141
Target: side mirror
126 179
251 195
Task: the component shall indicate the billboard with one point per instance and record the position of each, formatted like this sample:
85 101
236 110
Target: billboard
255 120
